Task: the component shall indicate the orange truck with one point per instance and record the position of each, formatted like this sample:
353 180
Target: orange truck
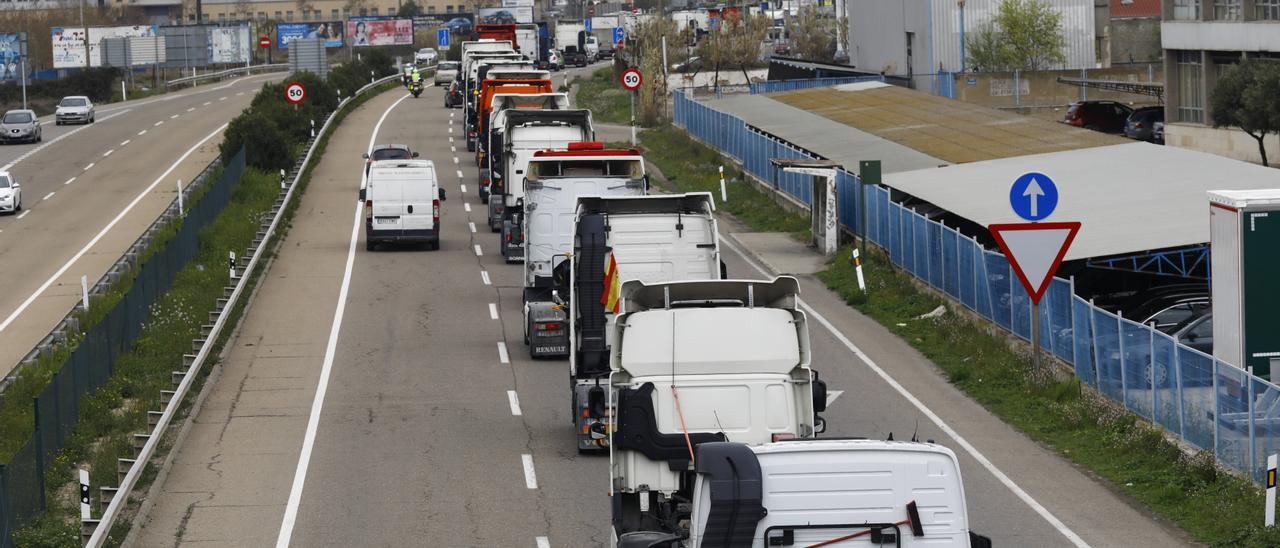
497 32
484 105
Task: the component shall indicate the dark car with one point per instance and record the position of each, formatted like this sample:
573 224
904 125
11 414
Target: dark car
1167 306
388 152
575 58
1141 125
1107 116
1196 332
502 17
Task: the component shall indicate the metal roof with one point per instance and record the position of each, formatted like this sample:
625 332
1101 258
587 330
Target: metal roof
1130 198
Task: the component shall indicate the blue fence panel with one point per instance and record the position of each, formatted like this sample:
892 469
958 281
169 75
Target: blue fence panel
1266 424
1061 327
998 283
981 283
1019 309
1082 331
1195 375
965 272
950 263
1106 349
1136 360
1164 378
1232 394
920 245
934 231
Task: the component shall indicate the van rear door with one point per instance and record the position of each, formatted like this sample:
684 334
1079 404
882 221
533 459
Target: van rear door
386 193
419 195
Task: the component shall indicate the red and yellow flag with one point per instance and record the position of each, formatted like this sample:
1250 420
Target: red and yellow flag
611 297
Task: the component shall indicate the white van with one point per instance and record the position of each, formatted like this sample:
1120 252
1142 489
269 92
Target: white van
402 203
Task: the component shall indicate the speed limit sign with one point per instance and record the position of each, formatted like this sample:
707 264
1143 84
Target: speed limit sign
631 79
295 93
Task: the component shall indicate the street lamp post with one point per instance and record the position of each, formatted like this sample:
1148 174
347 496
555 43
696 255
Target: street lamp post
962 57
85 30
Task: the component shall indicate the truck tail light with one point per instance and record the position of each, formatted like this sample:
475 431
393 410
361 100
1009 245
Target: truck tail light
783 436
553 326
435 212
368 210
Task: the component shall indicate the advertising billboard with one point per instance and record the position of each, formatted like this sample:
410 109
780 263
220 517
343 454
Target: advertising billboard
504 16
11 56
229 44
330 31
380 31
68 43
517 3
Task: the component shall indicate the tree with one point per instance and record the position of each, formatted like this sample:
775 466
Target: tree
1023 35
409 9
813 37
1245 97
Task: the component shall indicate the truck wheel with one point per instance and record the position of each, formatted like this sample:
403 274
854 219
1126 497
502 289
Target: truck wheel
369 245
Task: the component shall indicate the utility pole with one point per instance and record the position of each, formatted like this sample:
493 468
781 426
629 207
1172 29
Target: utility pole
86 35
962 57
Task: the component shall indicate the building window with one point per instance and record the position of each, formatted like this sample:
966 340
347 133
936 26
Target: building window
364 11
1226 10
288 15
1190 91
222 17
333 14
1267 10
1186 9
432 9
375 12
278 16
262 15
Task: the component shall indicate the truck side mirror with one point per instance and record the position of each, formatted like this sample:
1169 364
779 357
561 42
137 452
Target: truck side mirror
442 198
819 394
415 155
365 156
363 194
724 271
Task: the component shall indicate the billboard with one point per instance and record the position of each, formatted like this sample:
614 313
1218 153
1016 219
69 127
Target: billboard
504 16
11 55
68 43
331 32
380 31
517 3
229 44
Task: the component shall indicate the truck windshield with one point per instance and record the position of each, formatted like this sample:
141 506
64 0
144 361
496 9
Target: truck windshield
628 169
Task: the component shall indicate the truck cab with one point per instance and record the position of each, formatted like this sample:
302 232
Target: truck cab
552 184
656 238
694 362
499 103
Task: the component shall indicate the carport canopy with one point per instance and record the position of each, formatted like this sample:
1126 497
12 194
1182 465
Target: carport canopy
1130 198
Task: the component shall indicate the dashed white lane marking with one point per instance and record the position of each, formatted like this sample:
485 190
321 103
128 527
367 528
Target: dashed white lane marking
502 353
478 252
24 214
460 175
484 275
514 400
174 116
239 93
543 542
54 141
158 124
451 131
207 103
191 109
455 160
47 196
530 478
126 142
108 153
467 207
473 227
91 164
223 98
451 138
453 148
143 132
463 187
69 181
493 311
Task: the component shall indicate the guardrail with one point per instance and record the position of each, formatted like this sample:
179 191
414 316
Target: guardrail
227 73
102 526
1207 403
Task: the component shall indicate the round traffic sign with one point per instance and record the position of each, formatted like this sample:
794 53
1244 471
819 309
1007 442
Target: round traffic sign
1033 196
264 42
631 79
295 93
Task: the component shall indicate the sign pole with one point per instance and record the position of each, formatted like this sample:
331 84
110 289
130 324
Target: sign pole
1035 336
633 118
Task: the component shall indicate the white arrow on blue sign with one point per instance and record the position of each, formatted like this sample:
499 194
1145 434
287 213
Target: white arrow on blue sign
1033 196
618 34
442 38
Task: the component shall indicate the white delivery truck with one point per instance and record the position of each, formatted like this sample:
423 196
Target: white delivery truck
481 69
692 362
522 133
502 102
831 492
552 184
527 40
656 238
569 41
402 204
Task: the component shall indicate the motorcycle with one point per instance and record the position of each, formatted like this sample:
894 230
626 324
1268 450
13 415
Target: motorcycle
416 89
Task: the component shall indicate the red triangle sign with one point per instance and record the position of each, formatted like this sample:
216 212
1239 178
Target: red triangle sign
1034 251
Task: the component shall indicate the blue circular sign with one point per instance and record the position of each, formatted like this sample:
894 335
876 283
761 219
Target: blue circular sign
1033 196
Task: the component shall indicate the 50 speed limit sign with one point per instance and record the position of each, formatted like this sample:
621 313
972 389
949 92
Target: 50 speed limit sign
631 79
295 93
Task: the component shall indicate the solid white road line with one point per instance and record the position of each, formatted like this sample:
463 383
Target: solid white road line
484 275
125 142
107 153
322 387
478 252
163 177
472 226
493 311
503 357
542 542
514 400
530 478
69 181
91 164
24 214
466 206
463 188
47 196
942 425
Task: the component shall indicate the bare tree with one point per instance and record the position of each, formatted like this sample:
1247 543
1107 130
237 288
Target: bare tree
244 9
813 37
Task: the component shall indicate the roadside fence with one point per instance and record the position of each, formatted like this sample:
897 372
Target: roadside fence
1208 403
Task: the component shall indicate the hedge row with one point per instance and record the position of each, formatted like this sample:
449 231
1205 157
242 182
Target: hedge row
97 83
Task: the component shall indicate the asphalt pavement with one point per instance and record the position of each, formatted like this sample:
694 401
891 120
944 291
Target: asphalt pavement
386 398
89 191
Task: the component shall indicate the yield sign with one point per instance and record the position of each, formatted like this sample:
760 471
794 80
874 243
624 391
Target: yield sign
1035 250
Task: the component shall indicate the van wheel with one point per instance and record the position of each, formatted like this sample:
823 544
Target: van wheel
369 245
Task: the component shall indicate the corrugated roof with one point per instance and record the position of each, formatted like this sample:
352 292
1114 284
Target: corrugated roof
953 131
1130 198
1135 8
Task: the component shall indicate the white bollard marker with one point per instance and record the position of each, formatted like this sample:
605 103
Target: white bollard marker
180 213
723 196
1271 491
313 129
84 292
231 263
85 514
856 259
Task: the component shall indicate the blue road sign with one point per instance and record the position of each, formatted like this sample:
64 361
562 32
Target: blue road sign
764 6
618 35
587 22
1033 196
442 38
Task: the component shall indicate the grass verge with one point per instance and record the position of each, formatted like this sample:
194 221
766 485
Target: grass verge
1213 506
605 97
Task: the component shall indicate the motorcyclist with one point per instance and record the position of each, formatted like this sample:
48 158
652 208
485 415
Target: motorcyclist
416 76
408 72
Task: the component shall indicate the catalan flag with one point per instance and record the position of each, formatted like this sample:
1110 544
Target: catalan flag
611 297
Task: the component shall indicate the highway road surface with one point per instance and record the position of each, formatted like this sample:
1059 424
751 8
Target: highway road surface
89 191
386 398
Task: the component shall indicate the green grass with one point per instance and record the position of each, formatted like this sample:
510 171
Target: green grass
1215 507
603 94
691 166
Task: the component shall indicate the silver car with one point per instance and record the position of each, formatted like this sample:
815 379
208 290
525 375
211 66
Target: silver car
10 194
76 109
20 126
446 72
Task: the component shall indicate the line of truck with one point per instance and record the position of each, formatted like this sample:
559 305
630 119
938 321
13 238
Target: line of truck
697 387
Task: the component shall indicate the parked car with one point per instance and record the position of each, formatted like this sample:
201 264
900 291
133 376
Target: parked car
74 109
387 152
555 60
1107 116
1196 332
426 56
446 72
1168 306
1158 133
453 97
1141 125
692 64
10 193
20 125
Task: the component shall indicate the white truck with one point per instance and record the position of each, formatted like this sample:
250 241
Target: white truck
553 182
656 238
818 493
504 101
517 135
569 40
527 40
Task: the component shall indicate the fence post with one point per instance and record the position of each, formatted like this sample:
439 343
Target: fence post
1213 366
1177 369
1124 382
1253 437
1093 333
1151 364
39 456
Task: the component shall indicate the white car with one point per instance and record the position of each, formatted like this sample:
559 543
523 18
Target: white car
426 56
446 72
76 109
10 193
